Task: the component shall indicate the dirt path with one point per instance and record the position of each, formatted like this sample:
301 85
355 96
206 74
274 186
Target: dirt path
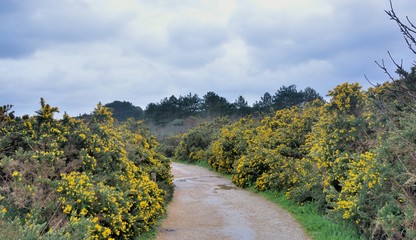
208 206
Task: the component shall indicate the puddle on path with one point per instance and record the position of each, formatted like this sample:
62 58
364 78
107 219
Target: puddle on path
184 179
215 176
166 230
224 187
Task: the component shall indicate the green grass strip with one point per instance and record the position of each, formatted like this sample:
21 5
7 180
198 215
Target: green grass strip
317 225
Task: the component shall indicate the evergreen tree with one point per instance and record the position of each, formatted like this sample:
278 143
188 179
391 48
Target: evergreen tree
287 97
265 103
214 105
241 106
309 94
189 105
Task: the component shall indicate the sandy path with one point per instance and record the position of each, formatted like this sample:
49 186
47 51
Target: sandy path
208 206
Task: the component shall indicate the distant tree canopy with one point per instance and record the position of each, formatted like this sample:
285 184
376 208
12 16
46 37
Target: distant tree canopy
164 111
264 104
285 97
213 105
124 110
189 105
241 106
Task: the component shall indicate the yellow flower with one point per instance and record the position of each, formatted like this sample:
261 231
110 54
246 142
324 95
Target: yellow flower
106 232
68 209
15 174
83 212
4 210
143 204
98 227
81 135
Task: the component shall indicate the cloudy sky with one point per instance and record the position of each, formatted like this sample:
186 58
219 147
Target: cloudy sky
76 53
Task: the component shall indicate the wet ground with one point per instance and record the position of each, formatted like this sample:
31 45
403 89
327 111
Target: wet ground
208 206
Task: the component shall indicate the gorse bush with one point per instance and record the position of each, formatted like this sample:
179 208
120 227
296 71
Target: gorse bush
231 144
194 144
70 179
287 132
354 156
395 196
338 151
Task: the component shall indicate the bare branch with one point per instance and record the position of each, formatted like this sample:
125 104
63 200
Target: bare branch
406 30
384 68
368 80
411 24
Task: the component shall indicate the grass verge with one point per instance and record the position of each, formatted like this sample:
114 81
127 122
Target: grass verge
317 225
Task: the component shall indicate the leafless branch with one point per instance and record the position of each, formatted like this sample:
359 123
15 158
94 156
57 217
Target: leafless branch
384 68
368 80
406 30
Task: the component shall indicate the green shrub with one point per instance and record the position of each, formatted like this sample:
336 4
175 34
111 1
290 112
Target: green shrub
74 180
353 157
231 145
195 143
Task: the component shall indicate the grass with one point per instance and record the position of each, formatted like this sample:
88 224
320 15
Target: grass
149 235
317 225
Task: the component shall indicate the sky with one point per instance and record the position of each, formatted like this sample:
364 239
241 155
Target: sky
77 53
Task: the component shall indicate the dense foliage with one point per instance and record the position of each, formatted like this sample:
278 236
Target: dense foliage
353 156
194 144
70 179
123 110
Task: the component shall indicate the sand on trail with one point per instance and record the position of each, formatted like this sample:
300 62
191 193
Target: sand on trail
208 206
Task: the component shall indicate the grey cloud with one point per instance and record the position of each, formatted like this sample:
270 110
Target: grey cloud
34 25
193 60
279 39
195 44
191 36
149 45
187 44
80 58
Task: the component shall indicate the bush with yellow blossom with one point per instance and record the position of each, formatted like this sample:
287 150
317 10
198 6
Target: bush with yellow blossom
194 145
71 179
353 156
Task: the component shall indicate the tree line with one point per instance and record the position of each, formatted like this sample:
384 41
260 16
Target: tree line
212 105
